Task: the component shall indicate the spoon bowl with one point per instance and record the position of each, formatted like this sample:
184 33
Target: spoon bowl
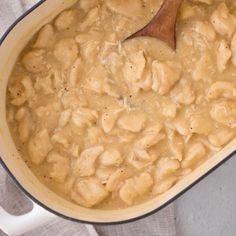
162 25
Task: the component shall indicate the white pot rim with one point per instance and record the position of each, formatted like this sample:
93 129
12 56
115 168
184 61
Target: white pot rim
210 167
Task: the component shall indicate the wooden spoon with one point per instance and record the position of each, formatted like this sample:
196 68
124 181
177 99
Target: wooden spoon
162 26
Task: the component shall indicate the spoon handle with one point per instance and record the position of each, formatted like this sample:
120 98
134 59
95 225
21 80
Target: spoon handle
162 26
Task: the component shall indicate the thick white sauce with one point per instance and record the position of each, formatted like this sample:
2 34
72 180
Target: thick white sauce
107 123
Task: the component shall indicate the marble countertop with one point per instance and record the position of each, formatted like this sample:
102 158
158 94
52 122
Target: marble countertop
209 208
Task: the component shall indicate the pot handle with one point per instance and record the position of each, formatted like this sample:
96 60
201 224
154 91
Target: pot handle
18 225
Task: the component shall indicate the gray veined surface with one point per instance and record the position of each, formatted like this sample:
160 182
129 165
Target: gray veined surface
209 208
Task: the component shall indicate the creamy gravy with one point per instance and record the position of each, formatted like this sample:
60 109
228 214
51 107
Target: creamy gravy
108 124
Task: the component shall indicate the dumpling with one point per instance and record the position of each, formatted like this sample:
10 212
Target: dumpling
124 7
85 165
175 143
204 68
205 29
91 191
103 173
135 187
60 166
132 121
91 18
60 137
223 22
165 167
134 72
66 52
201 124
65 20
164 185
222 89
39 146
108 119
183 93
88 4
221 136
34 61
111 157
22 91
165 75
224 112
223 55
115 180
195 152
25 124
84 117
46 37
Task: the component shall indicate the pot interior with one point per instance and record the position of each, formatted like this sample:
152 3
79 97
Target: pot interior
9 51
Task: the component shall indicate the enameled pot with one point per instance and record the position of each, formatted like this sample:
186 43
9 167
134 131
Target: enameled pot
10 46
